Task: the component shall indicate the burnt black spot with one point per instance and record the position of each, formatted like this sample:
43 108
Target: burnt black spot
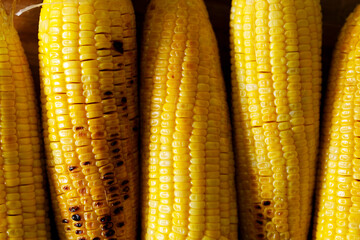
119 163
115 203
112 189
119 46
66 188
71 168
118 210
124 100
135 129
266 203
74 209
113 143
82 238
106 218
125 182
261 236
116 156
110 182
107 226
110 233
116 150
107 93
132 81
65 221
126 197
68 229
259 222
86 163
78 225
114 135
108 176
78 231
79 128
76 217
260 215
258 207
126 189
98 204
97 238
120 224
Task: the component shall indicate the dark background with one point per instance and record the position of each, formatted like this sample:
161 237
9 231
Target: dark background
334 16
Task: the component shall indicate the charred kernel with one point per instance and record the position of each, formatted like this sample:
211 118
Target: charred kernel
120 163
68 229
135 129
116 156
112 189
259 222
126 189
65 221
78 231
82 238
266 203
74 209
97 238
71 168
86 163
76 217
120 224
125 182
126 197
260 215
79 128
66 188
106 218
78 225
123 100
109 183
113 143
107 93
261 236
107 226
110 233
257 207
98 204
118 210
115 203
116 150
119 46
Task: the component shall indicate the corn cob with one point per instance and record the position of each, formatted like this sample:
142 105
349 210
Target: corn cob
337 213
276 81
22 195
87 52
188 179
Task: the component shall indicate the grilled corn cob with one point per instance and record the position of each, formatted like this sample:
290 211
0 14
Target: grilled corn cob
337 214
87 52
276 78
188 179
22 195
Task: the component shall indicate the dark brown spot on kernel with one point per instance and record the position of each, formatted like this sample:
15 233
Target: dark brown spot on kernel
110 233
118 210
68 229
66 188
259 222
107 226
112 189
257 207
126 189
107 93
115 203
98 204
79 128
260 215
135 129
76 217
82 238
97 238
86 163
116 156
119 46
65 221
106 218
116 150
78 231
125 182
261 236
74 209
120 224
71 168
110 182
266 203
126 197
113 143
119 163
124 100
78 225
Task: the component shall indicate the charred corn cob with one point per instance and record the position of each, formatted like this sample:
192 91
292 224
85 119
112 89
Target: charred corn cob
22 195
87 52
187 152
276 78
337 215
